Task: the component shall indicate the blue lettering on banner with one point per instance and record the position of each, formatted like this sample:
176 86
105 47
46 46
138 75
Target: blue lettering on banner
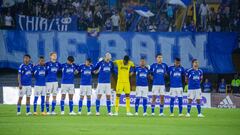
213 50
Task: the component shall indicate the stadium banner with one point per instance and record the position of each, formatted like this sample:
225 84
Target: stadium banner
223 100
213 50
34 23
10 96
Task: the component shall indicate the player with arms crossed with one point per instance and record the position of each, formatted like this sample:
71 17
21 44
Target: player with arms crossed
194 77
124 70
104 68
158 71
52 68
142 74
67 86
39 71
176 72
86 71
24 83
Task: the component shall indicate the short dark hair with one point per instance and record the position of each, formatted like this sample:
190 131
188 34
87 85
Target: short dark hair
159 54
126 58
27 55
142 58
177 59
70 58
194 60
41 57
89 60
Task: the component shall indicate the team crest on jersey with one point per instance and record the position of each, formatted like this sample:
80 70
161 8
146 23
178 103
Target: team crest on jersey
69 70
41 73
54 69
142 75
160 71
195 77
124 67
176 74
28 73
87 72
106 69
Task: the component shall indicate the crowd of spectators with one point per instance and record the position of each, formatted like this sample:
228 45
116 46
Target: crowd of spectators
222 86
100 14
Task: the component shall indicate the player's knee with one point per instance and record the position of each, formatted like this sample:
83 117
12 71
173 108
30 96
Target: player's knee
127 95
189 101
198 101
54 97
108 97
162 100
118 95
63 97
20 99
99 96
28 100
153 98
70 96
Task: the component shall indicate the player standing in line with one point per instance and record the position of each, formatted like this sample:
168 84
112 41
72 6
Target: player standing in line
142 74
125 69
24 83
68 71
158 71
52 67
176 72
194 77
104 68
86 71
39 71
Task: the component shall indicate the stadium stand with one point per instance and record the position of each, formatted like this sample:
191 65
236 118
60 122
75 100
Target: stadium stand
218 15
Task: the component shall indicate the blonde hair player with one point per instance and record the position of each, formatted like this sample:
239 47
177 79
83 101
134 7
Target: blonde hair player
104 68
52 68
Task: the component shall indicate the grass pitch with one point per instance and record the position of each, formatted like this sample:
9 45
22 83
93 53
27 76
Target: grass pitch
216 122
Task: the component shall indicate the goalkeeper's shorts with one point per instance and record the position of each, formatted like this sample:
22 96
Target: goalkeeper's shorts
123 87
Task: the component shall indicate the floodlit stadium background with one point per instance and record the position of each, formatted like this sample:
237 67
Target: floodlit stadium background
140 28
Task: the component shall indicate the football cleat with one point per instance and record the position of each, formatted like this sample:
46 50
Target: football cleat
180 115
145 114
188 115
129 114
115 114
89 113
62 113
110 114
97 114
200 116
53 113
161 114
43 113
29 113
72 113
